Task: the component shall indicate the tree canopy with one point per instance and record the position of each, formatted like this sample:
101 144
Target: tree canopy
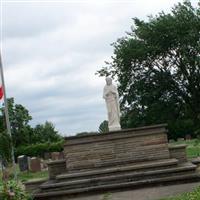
157 66
22 132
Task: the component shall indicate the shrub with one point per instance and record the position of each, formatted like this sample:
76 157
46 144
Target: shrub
5 147
13 190
39 149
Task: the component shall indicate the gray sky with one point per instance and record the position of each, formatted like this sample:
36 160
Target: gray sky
52 49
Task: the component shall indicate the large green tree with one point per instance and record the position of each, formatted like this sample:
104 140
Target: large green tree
157 66
45 133
22 133
19 120
5 148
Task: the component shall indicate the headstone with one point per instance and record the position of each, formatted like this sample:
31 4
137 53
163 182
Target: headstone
61 155
181 139
35 164
29 163
188 137
47 155
55 155
44 165
23 163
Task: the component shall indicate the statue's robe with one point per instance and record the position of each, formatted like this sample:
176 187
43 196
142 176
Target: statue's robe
110 94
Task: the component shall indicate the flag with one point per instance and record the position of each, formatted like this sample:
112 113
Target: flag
1 89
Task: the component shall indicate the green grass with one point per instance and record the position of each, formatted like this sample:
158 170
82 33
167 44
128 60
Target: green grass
193 148
27 176
194 195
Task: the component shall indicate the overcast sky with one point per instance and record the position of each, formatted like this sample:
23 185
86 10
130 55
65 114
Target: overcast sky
52 49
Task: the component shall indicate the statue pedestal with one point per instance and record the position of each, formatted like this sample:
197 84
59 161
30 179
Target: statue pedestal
130 158
114 128
116 147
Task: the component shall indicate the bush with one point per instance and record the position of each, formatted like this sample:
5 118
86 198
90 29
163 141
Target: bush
38 150
5 147
13 190
180 128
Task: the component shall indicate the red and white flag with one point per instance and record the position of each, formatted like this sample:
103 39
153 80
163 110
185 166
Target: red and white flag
1 89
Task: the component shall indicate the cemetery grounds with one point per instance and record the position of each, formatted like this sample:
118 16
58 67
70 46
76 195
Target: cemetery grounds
193 150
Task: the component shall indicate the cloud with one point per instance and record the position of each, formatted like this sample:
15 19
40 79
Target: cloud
51 52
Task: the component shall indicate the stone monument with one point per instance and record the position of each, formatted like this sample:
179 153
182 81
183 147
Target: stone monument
110 94
23 163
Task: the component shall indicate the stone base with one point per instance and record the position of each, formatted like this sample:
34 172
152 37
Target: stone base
56 167
122 159
116 147
178 152
114 128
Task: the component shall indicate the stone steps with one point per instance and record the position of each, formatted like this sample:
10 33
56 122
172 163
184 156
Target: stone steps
125 176
159 164
125 159
126 184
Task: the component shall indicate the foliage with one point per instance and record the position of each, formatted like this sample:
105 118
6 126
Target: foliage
19 119
107 196
103 127
13 190
194 195
22 133
39 149
45 133
157 66
19 122
86 133
5 148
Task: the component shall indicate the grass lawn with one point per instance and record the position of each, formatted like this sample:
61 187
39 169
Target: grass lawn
26 176
193 148
194 195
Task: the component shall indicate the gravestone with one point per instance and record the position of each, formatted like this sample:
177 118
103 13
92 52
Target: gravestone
47 155
62 155
23 163
181 139
188 137
44 165
55 155
35 164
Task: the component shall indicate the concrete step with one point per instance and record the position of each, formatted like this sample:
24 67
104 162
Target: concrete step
108 187
158 164
184 169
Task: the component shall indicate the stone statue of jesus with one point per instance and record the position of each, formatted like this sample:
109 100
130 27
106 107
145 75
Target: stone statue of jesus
110 94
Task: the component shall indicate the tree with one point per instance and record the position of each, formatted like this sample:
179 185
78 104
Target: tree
5 148
157 66
103 127
19 119
45 133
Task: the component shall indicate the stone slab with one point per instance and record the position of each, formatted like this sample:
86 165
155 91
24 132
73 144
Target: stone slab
153 193
23 163
35 164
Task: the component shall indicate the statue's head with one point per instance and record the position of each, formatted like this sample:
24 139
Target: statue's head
108 81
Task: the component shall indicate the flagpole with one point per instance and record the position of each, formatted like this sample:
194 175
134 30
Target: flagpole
7 117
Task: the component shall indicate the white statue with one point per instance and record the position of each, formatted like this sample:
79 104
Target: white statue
110 94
